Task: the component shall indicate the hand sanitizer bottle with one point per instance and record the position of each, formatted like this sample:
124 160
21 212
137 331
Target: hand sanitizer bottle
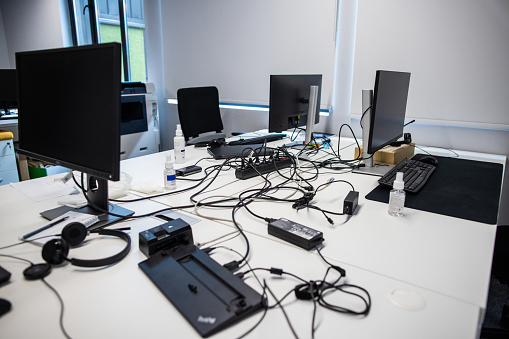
170 178
397 196
179 146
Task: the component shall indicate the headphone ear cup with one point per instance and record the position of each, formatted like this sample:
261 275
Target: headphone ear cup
74 233
55 251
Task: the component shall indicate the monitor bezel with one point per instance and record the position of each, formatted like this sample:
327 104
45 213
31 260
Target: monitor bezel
399 115
280 112
113 171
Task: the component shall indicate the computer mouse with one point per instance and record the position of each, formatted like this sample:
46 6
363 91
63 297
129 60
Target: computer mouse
429 160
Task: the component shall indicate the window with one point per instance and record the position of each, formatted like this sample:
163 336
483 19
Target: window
123 21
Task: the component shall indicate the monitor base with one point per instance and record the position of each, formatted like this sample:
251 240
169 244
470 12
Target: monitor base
104 219
379 171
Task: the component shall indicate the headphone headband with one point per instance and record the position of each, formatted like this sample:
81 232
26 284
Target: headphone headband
109 260
55 252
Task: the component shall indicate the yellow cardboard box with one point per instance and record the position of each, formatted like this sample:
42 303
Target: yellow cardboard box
391 154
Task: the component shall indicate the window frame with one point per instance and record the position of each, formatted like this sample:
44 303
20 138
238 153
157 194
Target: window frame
92 6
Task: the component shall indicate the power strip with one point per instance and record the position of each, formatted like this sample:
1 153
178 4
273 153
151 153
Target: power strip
254 170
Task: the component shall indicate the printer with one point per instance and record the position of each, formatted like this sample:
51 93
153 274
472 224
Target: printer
139 120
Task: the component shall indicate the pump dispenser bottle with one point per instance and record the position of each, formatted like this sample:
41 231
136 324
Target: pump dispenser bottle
170 178
397 196
179 146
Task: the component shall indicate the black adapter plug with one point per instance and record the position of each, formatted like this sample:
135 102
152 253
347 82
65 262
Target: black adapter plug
350 203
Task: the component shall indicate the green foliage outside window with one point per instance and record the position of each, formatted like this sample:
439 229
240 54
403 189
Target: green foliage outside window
111 33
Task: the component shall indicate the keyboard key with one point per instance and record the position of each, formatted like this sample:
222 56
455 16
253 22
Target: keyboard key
415 174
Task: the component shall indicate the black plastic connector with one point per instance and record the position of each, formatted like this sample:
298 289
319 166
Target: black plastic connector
232 266
350 203
276 271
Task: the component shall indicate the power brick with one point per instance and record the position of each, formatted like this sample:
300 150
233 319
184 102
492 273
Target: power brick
295 233
351 202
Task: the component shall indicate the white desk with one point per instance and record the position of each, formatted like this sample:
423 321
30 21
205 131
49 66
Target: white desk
419 248
418 253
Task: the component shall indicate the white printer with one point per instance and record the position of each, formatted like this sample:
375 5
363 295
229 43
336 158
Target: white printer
140 121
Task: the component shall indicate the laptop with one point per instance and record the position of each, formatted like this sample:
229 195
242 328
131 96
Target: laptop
237 151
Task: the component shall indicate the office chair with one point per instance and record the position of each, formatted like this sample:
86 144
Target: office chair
198 109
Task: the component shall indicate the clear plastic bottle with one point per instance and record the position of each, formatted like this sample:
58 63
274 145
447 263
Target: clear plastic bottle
170 178
179 146
397 196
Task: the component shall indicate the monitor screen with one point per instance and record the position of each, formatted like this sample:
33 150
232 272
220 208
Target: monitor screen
388 110
69 107
8 90
8 85
289 100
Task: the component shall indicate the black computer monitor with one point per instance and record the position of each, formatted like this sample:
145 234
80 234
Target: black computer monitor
289 101
69 114
388 109
8 92
383 116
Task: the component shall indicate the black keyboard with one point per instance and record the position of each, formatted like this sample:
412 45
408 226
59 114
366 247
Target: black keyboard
258 140
415 174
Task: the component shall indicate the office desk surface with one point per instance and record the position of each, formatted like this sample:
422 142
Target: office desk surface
420 248
120 301
442 262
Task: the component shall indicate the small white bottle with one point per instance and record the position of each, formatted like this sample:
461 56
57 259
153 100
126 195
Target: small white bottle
170 178
397 196
179 146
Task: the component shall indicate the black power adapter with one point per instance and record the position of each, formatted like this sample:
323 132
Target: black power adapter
350 203
295 233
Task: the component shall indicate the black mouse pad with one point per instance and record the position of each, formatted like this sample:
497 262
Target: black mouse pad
460 188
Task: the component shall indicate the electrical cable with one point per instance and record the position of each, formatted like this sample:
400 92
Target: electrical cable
282 309
356 141
236 233
244 258
362 116
62 307
61 301
122 217
317 291
306 204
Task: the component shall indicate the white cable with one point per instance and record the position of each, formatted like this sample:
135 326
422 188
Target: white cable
196 207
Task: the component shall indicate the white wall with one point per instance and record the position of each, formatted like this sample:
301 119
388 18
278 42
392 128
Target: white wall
155 69
457 52
31 25
4 55
236 45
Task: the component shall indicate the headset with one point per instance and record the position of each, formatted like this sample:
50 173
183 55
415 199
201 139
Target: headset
56 251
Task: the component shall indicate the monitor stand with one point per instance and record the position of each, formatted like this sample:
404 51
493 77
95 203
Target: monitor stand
370 167
313 100
377 170
98 195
